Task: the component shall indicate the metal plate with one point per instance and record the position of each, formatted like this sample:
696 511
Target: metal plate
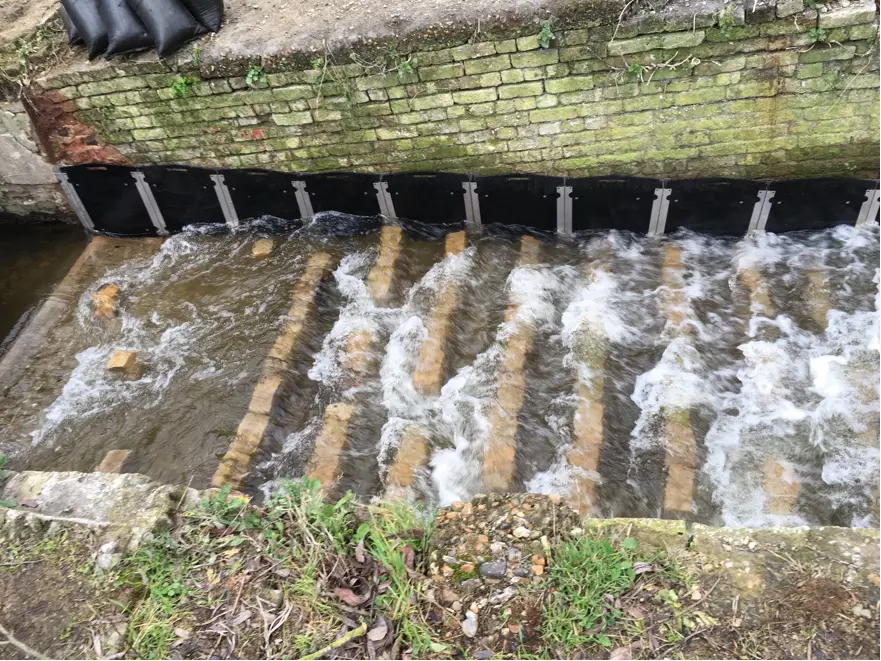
428 197
347 192
813 204
721 207
623 203
184 195
529 200
110 197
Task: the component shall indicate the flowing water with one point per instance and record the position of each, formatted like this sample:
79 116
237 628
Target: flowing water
718 380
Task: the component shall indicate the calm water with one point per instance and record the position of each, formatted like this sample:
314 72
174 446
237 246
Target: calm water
33 258
783 383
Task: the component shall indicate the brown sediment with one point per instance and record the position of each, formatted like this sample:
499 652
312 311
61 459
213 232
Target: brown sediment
379 281
499 453
236 462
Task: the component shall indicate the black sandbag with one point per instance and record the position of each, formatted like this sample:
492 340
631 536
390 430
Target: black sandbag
73 35
168 22
125 31
89 24
208 12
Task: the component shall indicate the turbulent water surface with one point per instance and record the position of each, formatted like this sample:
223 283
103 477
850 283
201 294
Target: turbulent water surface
722 380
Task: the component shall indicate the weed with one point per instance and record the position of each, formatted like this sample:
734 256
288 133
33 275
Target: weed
181 86
817 35
4 475
588 574
811 4
256 76
545 35
633 68
726 20
197 55
317 62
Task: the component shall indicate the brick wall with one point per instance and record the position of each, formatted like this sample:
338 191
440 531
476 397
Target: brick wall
735 91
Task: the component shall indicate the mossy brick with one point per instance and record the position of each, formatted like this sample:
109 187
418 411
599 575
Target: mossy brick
855 14
377 95
479 109
525 103
110 86
523 144
438 128
430 58
474 96
432 87
547 100
530 42
493 79
809 70
325 115
746 90
667 41
722 66
825 54
576 98
857 81
537 58
472 124
508 120
441 71
83 103
569 84
293 118
553 114
149 134
708 95
505 132
428 142
472 51
621 91
377 109
433 101
455 112
573 37
647 102
520 90
588 66
392 79
577 53
860 32
433 115
488 64
550 128
282 78
734 33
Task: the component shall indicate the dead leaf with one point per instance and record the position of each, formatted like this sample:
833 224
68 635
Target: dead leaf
635 612
359 551
626 651
182 633
642 567
409 557
241 617
350 598
378 632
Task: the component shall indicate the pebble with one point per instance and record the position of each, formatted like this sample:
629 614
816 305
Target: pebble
457 606
505 595
494 569
521 532
538 570
469 624
514 556
467 568
471 584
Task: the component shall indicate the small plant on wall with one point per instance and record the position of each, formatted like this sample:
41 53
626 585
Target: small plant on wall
181 86
545 35
256 76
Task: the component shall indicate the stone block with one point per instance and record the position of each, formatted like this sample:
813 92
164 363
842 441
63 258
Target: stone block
854 14
789 7
535 58
124 364
105 300
475 96
822 53
671 41
441 72
262 248
488 64
471 51
113 461
569 84
520 90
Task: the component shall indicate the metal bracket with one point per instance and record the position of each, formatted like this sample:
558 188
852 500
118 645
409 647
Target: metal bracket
564 210
869 210
226 203
304 202
386 205
761 211
472 205
660 206
73 197
150 203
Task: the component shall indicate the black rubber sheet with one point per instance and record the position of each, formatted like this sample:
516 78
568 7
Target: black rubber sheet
188 196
